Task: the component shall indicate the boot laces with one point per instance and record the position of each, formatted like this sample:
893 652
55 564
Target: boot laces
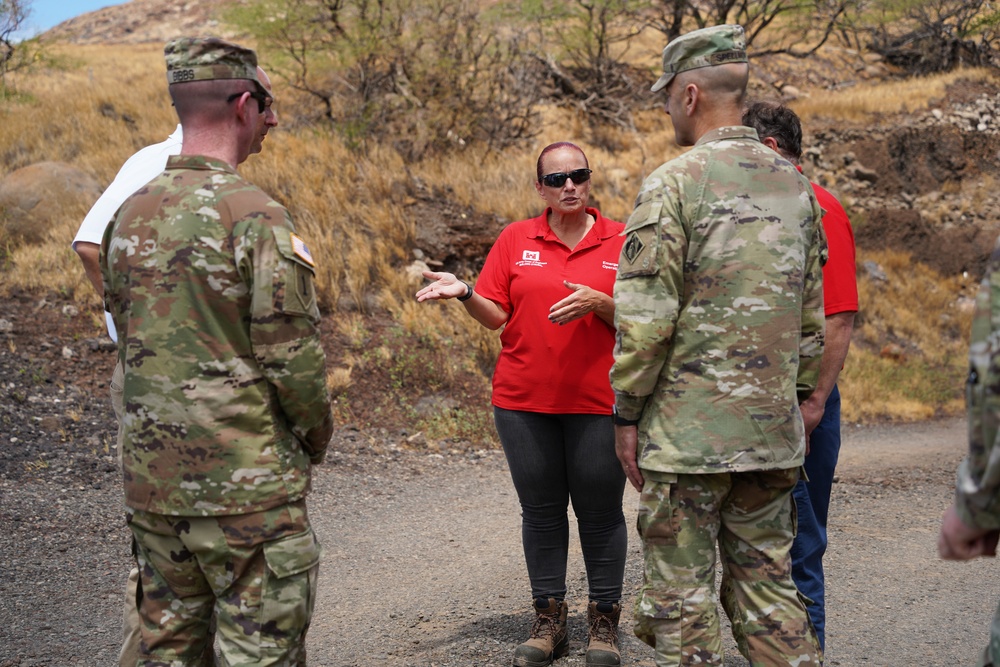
545 625
603 629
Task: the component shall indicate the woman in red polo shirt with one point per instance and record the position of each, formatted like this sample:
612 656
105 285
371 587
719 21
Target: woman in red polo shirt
549 282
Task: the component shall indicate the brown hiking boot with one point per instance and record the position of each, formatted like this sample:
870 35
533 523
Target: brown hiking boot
548 639
602 648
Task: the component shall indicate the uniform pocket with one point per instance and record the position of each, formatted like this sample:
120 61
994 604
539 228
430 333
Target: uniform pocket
292 555
655 521
289 589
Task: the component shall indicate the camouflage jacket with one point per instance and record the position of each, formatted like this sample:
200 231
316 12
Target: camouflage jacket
225 380
719 309
978 491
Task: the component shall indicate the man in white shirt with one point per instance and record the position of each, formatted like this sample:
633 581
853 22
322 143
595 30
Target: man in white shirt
135 173
138 170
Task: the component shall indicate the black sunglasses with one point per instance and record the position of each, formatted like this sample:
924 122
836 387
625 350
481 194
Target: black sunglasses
256 94
558 179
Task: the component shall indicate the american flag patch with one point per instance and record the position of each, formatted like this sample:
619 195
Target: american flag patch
301 251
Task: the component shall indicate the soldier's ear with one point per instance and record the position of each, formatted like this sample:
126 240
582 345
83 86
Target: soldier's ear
244 103
692 95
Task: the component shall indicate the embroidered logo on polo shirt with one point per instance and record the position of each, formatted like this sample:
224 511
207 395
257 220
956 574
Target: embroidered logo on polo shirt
531 258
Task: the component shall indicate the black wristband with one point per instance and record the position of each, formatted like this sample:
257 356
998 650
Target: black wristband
621 421
468 292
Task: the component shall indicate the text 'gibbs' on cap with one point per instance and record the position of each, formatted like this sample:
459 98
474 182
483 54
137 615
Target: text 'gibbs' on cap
206 58
718 45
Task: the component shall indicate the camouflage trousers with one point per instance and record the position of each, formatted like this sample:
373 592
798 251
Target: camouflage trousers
991 654
257 572
750 516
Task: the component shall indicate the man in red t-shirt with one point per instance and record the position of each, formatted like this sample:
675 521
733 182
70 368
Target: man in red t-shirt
779 128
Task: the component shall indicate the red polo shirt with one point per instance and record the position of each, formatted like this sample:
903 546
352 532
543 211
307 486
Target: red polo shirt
840 286
545 367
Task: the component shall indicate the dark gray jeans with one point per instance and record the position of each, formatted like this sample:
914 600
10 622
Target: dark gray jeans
555 458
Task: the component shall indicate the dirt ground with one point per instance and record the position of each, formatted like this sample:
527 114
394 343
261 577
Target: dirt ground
423 565
440 571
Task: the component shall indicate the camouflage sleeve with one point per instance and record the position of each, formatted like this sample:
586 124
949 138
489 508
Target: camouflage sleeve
285 335
977 497
813 319
647 296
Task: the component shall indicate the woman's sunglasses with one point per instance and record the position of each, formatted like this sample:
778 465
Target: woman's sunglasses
558 179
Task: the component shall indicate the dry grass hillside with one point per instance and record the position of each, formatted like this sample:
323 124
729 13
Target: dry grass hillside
144 21
372 218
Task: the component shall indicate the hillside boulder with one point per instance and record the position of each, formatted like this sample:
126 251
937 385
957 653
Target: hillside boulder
35 198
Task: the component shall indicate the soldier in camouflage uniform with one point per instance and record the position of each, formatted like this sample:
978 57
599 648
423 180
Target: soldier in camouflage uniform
225 399
719 317
136 172
971 527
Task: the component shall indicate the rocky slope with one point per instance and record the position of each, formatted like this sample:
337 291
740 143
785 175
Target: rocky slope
921 183
140 21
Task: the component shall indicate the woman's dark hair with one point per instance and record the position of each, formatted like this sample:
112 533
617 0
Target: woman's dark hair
778 122
551 147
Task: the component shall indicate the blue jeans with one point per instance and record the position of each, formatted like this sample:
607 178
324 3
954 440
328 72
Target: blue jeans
555 458
812 500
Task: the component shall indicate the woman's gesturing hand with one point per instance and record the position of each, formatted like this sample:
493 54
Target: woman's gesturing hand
445 286
582 300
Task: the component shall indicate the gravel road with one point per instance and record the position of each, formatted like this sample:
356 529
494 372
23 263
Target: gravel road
423 565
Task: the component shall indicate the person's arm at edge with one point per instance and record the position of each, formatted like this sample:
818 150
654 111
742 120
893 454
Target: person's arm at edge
90 257
971 526
636 368
286 343
840 302
813 320
646 304
836 343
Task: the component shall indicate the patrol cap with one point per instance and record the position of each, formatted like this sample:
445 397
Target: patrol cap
718 45
206 58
